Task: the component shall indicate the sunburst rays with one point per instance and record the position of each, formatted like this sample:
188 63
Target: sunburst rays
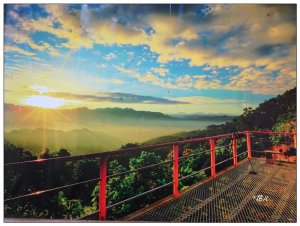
43 118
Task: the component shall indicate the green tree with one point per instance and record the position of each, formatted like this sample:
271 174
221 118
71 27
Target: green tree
196 159
286 122
70 209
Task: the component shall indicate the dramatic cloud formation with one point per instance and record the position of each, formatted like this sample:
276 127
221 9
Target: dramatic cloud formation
154 50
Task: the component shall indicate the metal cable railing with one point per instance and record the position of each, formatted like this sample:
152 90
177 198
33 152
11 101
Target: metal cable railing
193 174
224 146
191 155
226 160
138 169
50 190
242 153
139 195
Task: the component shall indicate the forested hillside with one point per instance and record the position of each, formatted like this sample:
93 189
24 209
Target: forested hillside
277 114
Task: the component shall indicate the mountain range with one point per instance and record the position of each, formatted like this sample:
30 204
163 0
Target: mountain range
92 130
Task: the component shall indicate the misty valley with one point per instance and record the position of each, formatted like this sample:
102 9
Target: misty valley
83 130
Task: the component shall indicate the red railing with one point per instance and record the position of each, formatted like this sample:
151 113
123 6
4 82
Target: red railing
175 149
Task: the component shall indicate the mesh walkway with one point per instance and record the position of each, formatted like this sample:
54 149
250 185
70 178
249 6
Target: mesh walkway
236 196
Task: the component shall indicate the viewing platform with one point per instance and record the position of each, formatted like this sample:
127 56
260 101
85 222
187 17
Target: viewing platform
236 195
255 181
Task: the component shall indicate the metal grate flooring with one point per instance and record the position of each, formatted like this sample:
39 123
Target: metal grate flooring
236 196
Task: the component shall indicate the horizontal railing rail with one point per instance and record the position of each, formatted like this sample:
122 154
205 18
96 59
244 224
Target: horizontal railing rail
139 195
138 169
104 156
195 173
51 190
119 151
195 154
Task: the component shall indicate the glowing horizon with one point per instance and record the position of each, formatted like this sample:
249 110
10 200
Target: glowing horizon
44 102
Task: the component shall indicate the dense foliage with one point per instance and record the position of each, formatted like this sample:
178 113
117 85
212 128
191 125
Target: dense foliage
278 114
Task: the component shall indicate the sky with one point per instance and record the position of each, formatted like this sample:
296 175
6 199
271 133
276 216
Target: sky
171 58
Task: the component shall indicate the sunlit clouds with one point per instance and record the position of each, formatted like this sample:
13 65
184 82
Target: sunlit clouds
65 55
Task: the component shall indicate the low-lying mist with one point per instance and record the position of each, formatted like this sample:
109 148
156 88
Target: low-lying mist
86 131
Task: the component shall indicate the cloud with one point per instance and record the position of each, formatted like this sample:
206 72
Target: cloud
114 97
149 77
202 83
271 49
39 89
201 39
11 48
198 82
263 81
196 38
181 83
206 100
117 81
214 36
110 56
22 37
160 71
70 28
228 37
185 81
101 66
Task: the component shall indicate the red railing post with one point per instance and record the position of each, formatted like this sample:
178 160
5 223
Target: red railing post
248 144
234 150
295 141
102 187
175 172
212 158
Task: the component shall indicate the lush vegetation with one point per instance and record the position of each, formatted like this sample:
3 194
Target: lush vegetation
276 114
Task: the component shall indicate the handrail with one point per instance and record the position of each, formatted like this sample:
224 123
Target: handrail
192 174
194 154
137 169
139 195
51 189
120 151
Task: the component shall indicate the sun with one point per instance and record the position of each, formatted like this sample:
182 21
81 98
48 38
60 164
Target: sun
44 101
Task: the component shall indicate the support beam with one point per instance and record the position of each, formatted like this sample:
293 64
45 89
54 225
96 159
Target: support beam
102 187
248 144
175 172
212 158
234 150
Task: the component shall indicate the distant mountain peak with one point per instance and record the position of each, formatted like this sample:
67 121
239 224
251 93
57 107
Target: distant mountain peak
85 130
